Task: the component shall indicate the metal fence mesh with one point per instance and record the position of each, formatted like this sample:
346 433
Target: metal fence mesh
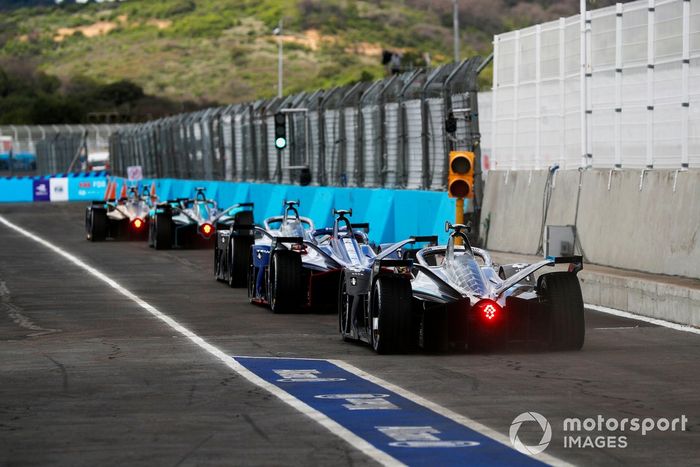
388 133
642 85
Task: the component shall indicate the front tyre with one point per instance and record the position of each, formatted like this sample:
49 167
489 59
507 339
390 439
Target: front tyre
390 322
285 282
562 291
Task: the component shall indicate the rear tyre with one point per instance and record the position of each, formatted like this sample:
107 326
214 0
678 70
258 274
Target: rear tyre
563 293
162 232
390 322
285 282
96 225
239 260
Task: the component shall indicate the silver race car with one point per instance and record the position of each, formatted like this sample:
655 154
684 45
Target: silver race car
188 222
294 266
126 218
456 298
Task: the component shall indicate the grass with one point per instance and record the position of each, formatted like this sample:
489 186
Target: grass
222 50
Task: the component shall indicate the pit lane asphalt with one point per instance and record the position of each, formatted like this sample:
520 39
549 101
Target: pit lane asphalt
89 378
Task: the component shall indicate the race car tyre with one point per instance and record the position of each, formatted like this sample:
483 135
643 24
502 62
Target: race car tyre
390 321
238 261
563 293
97 225
345 311
285 282
162 232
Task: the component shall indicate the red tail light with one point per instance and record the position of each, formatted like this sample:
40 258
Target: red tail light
137 223
489 310
206 229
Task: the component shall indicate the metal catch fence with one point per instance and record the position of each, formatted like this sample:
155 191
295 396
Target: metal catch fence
388 133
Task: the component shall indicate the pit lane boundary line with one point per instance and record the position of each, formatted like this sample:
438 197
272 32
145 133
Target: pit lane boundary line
335 428
646 319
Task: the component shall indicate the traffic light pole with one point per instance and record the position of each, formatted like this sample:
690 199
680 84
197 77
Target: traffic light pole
279 165
459 217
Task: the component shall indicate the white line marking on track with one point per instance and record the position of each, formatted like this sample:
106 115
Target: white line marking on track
335 428
646 319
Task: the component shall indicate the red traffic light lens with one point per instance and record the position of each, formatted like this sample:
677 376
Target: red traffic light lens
137 223
459 189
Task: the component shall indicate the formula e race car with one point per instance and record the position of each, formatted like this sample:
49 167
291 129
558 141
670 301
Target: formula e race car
375 299
297 266
185 222
126 218
457 299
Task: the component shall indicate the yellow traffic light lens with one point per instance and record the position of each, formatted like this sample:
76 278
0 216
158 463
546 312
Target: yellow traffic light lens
459 189
460 165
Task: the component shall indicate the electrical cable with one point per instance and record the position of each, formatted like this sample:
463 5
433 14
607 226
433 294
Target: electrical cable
577 240
546 199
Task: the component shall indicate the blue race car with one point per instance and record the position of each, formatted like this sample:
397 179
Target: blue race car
294 266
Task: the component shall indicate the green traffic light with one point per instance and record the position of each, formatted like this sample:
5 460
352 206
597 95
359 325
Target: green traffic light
280 143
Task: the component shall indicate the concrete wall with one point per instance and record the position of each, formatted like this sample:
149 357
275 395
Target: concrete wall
654 230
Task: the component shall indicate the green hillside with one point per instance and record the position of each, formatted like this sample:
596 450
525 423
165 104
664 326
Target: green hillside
223 51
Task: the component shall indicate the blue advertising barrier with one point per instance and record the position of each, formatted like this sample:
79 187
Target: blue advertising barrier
392 214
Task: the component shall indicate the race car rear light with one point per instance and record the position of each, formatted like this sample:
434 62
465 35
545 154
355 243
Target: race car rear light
137 223
206 229
489 310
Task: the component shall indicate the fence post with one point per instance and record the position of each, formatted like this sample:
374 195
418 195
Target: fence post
618 85
650 86
562 90
516 83
538 86
494 103
685 71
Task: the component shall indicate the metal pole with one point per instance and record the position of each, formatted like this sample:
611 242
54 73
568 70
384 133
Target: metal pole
279 60
459 216
455 14
582 83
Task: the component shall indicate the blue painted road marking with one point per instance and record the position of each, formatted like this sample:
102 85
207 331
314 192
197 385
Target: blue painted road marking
407 431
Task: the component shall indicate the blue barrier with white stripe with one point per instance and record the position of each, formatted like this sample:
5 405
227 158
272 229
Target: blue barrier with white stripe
407 431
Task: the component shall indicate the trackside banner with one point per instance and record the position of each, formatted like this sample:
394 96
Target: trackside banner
392 214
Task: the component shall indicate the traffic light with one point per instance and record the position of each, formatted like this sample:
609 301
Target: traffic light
451 124
460 180
280 130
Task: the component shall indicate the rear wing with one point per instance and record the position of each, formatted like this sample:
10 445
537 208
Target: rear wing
576 263
432 239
